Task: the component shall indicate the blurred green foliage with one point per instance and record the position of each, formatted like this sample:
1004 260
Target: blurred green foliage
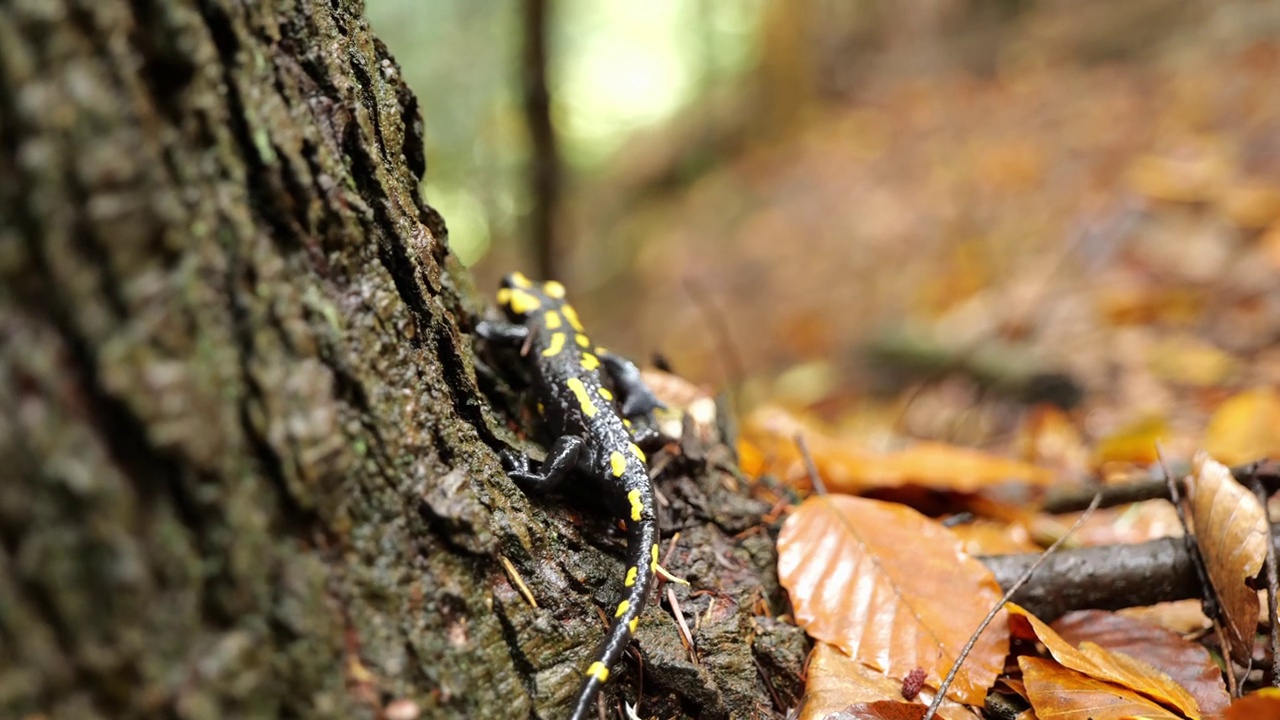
617 67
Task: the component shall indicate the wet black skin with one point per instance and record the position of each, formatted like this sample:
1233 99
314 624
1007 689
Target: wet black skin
593 436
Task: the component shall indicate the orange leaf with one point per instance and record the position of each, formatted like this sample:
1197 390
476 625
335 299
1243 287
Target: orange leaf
1231 533
1262 705
1059 693
1049 437
1135 442
1187 663
847 469
837 681
1097 662
891 588
1245 427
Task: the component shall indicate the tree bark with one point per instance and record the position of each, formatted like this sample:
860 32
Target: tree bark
245 466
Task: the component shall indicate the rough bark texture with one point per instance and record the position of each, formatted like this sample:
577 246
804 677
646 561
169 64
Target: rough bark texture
245 469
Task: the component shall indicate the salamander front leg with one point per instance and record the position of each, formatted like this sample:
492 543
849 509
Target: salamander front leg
637 399
561 459
502 332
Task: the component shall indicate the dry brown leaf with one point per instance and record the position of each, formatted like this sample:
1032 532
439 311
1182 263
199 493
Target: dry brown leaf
1135 442
1059 693
846 469
1192 177
1181 617
837 681
1190 360
1231 533
1049 438
1251 204
1098 662
1187 663
893 589
988 537
1261 705
1245 427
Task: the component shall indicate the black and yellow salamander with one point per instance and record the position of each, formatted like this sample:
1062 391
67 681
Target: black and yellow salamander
593 435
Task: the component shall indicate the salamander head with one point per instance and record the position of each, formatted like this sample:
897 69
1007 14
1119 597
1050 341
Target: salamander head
522 299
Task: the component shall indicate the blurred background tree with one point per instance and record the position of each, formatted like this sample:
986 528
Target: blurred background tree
793 179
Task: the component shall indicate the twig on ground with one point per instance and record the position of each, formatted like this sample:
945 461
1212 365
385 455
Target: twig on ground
818 486
995 610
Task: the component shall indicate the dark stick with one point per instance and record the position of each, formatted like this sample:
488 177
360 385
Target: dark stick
1107 577
1148 488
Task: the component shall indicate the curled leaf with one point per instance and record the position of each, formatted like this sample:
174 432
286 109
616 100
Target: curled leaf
1097 662
1187 663
1231 532
1060 693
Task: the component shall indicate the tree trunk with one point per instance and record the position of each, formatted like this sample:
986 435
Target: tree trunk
245 467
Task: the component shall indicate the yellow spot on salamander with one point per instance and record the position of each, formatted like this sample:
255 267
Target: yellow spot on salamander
542 409
519 280
626 422
504 296
632 625
604 393
572 316
622 608
600 350
636 506
589 361
580 392
635 450
582 340
631 577
555 346
553 289
598 671
521 302
552 320
617 463
653 564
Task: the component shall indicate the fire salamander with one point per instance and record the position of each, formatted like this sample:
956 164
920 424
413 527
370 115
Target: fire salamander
593 434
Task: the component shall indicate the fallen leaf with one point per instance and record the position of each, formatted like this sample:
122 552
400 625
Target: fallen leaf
837 681
1253 205
1097 662
1231 532
1261 705
1245 427
1060 693
1135 443
1187 663
1049 438
846 469
1193 176
987 537
891 588
1191 361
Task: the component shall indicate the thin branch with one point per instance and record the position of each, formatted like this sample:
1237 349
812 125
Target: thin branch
995 610
818 486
